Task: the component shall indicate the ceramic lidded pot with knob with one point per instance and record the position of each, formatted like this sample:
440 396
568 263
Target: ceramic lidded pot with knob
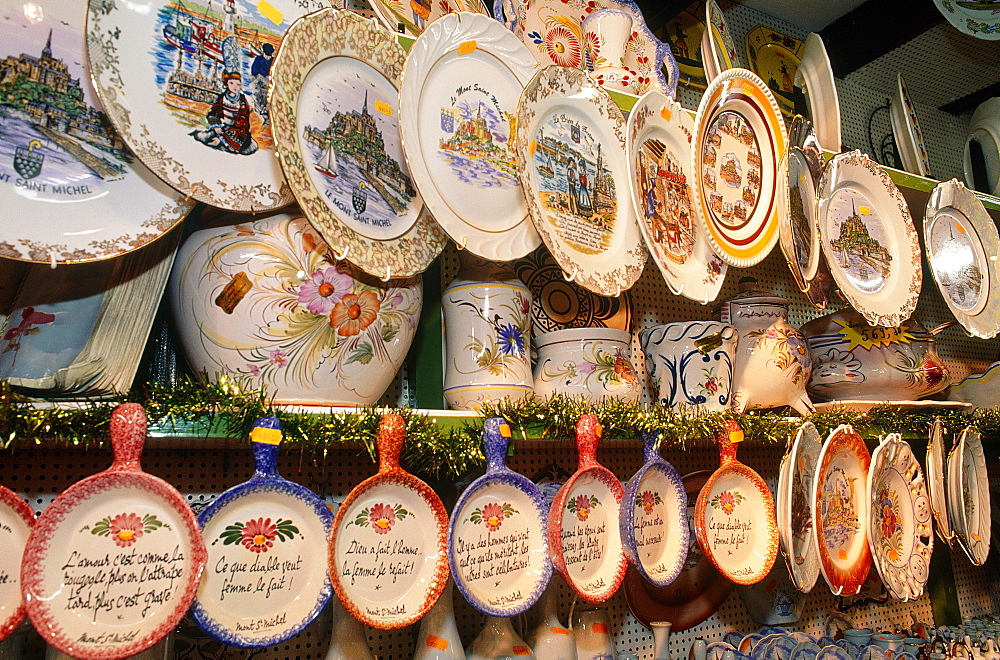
773 364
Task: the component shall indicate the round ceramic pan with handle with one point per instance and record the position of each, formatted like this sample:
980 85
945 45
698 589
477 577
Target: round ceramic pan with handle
112 565
16 519
583 522
388 549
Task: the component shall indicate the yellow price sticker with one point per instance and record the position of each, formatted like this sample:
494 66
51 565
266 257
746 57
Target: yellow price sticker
868 336
864 210
558 631
436 642
467 47
599 430
505 430
748 88
384 108
270 12
266 436
736 436
666 114
531 147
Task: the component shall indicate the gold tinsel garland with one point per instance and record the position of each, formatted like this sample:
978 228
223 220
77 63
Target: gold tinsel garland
226 408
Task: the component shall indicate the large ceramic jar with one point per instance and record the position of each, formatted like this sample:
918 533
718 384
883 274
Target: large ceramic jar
592 363
267 300
691 364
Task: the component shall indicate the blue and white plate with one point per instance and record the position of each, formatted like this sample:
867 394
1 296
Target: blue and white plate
266 577
497 543
871 652
805 651
833 652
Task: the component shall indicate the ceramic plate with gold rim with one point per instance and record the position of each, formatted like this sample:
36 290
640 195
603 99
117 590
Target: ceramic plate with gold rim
815 77
969 495
570 150
868 239
794 507
906 129
798 230
334 104
935 462
736 149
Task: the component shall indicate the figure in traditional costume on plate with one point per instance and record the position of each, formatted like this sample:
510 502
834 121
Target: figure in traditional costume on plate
421 10
229 120
260 69
583 201
572 181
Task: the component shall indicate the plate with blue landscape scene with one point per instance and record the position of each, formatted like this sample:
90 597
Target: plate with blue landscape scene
457 97
185 83
868 239
570 149
334 103
70 189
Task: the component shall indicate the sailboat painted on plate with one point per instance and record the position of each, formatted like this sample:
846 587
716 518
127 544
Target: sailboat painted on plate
328 162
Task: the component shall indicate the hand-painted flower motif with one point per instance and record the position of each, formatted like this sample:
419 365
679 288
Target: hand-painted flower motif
277 357
492 515
563 47
381 517
354 313
324 289
647 499
581 505
511 340
258 535
126 528
727 501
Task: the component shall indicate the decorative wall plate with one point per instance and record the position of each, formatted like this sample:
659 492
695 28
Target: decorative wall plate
580 206
722 46
775 57
840 509
389 545
734 517
794 507
334 105
497 539
935 462
16 519
658 147
552 30
186 87
738 140
815 77
970 494
685 33
869 240
267 577
711 73
70 189
960 236
583 525
120 522
899 527
653 518
457 96
798 230
413 17
978 18
906 130
981 158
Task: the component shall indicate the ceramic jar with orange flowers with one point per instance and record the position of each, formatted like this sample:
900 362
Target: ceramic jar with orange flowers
593 363
267 300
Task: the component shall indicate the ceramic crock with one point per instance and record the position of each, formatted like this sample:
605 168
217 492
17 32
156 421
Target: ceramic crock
589 362
856 360
267 300
691 364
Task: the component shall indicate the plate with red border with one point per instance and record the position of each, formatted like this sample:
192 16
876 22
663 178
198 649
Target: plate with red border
16 519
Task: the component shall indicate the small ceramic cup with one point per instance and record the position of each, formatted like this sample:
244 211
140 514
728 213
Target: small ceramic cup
860 636
691 363
914 645
891 643
590 362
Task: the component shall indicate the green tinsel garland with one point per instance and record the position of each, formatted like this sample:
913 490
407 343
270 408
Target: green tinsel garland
227 408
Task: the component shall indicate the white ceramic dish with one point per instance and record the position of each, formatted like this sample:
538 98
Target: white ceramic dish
658 145
906 130
795 507
16 519
969 493
722 47
798 230
458 92
868 239
815 77
412 18
70 189
977 19
984 130
978 390
935 462
583 211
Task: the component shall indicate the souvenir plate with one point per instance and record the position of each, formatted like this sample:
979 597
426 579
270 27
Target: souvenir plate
899 528
112 565
970 492
722 47
415 16
906 130
582 211
738 140
653 520
798 230
978 18
333 100
658 147
775 58
389 546
583 522
267 577
69 188
685 33
959 236
794 507
840 507
552 30
734 517
16 519
497 542
815 77
869 240
458 93
185 84
935 462
711 73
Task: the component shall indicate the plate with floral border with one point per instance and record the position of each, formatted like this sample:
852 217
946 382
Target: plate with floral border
794 507
959 235
906 130
868 239
583 527
738 142
815 77
186 86
899 528
458 94
388 549
840 509
513 512
775 57
70 189
798 230
582 211
334 107
273 528
653 518
722 47
412 18
658 148
553 32
122 522
969 489
977 18
734 517
16 519
935 462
